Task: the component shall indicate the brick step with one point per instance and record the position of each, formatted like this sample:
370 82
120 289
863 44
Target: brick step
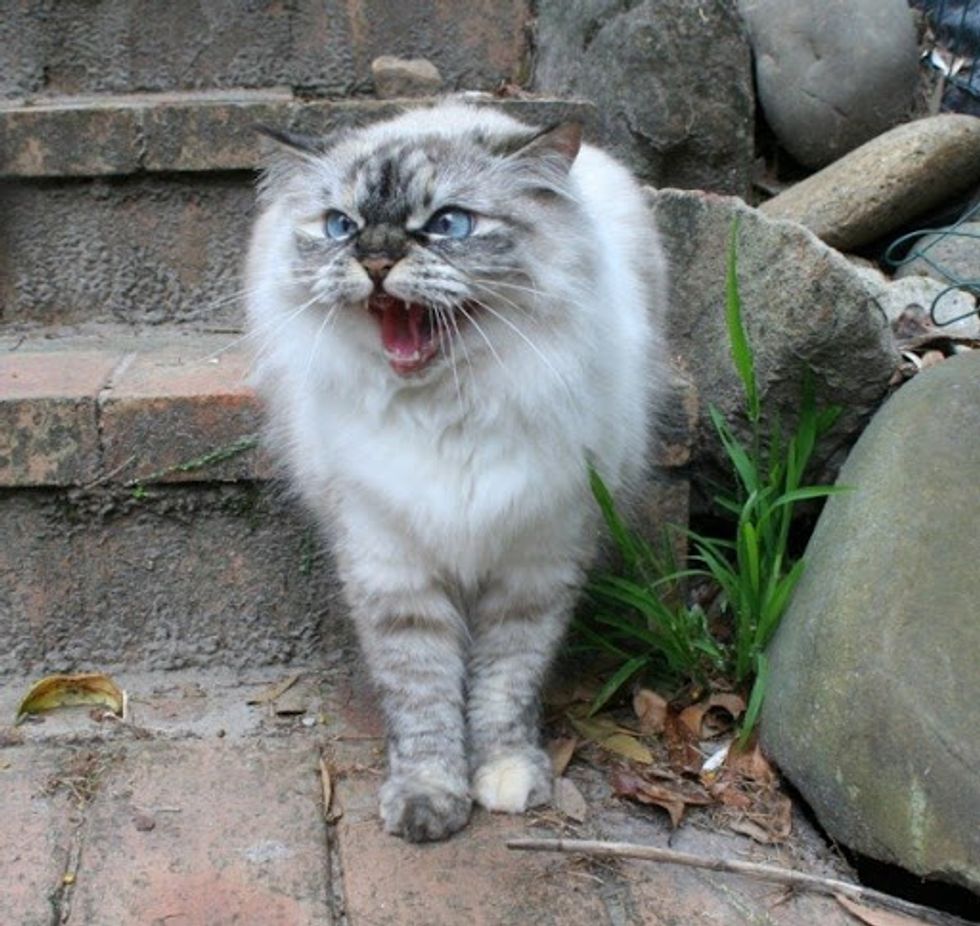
320 47
137 208
139 520
266 853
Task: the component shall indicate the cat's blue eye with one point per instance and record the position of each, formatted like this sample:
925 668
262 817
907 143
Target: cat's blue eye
450 223
339 227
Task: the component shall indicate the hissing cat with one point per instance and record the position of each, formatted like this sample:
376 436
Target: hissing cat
457 313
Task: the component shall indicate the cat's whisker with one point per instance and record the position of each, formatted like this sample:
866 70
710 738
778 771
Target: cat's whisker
517 286
257 331
446 337
462 310
506 321
316 341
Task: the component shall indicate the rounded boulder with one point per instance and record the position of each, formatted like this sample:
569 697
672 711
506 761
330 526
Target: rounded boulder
834 74
872 704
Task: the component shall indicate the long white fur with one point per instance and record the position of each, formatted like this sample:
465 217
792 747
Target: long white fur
476 478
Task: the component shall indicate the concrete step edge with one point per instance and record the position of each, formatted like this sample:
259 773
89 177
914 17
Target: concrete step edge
120 406
117 408
197 131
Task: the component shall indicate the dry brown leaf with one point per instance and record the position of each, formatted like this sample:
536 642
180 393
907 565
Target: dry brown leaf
561 751
749 762
674 797
274 691
568 800
651 711
629 746
326 783
70 691
682 748
876 917
703 719
753 830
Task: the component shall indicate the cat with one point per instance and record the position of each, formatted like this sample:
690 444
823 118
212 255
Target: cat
458 314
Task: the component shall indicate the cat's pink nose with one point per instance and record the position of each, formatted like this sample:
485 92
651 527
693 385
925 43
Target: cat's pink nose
377 267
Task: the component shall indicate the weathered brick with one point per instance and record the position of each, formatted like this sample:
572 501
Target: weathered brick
177 414
322 47
183 575
472 878
48 427
193 131
209 833
38 829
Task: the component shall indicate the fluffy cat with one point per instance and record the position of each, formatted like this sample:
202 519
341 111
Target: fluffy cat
457 313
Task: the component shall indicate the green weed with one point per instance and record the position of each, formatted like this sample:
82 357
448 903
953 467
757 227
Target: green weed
642 620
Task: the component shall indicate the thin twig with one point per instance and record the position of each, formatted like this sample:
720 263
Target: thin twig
794 879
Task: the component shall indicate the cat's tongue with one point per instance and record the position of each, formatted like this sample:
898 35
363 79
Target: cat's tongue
406 333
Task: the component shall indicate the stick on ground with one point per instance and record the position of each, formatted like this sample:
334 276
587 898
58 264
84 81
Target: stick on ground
795 879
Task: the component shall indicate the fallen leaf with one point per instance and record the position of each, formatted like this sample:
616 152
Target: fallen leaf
72 690
568 800
674 798
629 746
682 746
874 916
561 751
326 783
274 691
710 717
651 711
749 762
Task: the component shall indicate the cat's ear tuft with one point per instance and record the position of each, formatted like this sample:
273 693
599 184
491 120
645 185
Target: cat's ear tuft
560 142
304 145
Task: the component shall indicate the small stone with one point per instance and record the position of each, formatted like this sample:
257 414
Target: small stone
878 187
951 256
404 77
912 297
144 822
832 76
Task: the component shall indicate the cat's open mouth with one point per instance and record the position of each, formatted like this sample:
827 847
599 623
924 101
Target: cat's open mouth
409 333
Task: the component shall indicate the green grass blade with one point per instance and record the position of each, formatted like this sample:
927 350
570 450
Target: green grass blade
619 678
754 707
738 341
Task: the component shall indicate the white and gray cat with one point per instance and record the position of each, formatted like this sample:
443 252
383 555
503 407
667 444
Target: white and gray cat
456 313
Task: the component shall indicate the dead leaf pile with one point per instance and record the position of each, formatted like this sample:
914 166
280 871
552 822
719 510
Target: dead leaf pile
684 755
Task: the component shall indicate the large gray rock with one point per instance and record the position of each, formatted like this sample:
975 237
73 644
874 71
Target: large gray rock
872 703
831 76
672 80
886 182
804 305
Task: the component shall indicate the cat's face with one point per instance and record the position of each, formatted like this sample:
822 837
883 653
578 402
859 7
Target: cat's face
426 242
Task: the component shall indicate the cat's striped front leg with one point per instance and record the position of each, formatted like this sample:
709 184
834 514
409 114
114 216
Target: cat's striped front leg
414 643
519 625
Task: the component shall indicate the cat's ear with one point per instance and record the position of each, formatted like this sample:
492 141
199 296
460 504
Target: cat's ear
557 144
303 146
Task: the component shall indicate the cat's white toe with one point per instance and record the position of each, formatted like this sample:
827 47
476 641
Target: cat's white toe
511 783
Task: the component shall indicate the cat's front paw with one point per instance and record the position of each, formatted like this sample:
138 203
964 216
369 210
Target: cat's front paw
421 811
514 781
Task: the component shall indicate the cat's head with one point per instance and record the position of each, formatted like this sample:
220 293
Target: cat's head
431 236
